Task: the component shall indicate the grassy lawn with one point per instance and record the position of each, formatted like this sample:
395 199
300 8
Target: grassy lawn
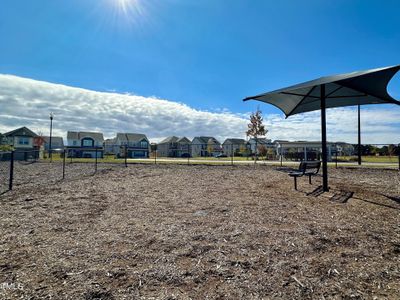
107 159
371 159
381 161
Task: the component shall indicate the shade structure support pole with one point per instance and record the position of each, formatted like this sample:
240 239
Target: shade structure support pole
359 136
323 135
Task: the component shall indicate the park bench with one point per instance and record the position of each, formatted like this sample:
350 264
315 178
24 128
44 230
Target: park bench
308 168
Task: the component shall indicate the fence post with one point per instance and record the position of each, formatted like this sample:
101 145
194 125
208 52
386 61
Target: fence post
336 155
126 156
65 153
399 154
232 154
10 183
281 156
155 156
189 154
95 162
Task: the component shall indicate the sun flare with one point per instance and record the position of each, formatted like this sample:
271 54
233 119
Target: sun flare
126 5
130 10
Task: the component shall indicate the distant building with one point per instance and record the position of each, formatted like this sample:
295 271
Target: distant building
174 147
234 147
85 144
205 146
302 150
20 138
261 142
110 147
344 149
57 142
136 145
23 140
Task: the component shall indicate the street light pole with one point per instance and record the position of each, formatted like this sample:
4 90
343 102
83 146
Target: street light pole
359 137
51 131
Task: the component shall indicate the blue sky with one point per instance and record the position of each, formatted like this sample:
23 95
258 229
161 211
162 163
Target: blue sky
206 54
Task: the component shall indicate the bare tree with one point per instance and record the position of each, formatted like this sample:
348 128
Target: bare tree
256 129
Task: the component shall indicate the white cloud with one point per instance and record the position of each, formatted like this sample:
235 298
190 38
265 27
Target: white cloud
27 102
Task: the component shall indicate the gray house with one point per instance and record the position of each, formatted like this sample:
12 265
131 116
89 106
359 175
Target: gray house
110 147
136 145
174 147
261 142
205 146
234 146
57 142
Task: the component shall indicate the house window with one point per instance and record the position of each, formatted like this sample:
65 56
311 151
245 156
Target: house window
87 142
74 143
143 144
23 141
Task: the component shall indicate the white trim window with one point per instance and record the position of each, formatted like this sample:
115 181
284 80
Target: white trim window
23 141
87 142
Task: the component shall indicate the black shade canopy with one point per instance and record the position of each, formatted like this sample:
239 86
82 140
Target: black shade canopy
357 88
364 87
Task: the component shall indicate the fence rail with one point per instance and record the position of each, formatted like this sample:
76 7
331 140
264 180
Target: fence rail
33 166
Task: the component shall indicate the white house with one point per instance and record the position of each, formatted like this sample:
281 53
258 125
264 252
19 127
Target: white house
20 138
302 150
24 141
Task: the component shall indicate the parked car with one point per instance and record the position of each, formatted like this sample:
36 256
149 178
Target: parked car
220 155
186 155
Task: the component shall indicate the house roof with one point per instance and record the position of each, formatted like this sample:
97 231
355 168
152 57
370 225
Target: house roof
77 135
261 140
131 137
234 141
22 131
206 139
170 139
56 140
183 139
294 143
280 141
109 141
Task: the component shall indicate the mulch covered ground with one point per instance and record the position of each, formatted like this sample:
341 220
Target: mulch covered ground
198 232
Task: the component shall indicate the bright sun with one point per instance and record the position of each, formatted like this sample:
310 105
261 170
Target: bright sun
125 5
130 10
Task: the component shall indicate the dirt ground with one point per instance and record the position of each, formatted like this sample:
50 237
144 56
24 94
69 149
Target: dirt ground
200 232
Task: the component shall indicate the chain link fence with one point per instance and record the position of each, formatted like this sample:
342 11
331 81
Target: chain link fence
342 154
39 167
